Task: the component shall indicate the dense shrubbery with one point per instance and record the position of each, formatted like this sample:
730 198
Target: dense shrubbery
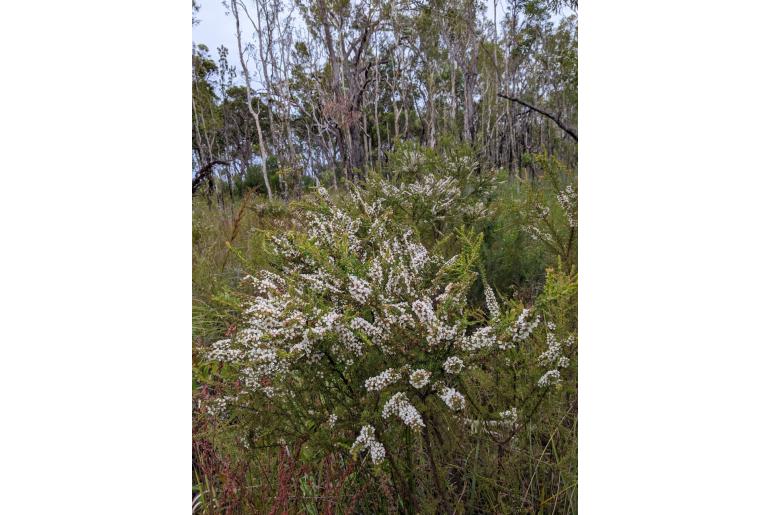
408 345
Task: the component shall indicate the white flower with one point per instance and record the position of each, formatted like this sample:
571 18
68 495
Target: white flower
492 305
217 407
381 380
452 398
523 327
424 311
377 452
349 340
222 350
509 415
554 353
375 272
400 406
568 201
537 234
363 325
453 365
482 338
552 377
359 289
419 378
367 440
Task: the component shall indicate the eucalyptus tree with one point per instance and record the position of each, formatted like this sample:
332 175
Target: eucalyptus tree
344 30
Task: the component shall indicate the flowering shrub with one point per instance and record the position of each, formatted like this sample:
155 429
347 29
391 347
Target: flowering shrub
433 194
361 339
439 196
361 308
554 225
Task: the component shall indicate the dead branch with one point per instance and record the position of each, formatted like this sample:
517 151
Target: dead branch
204 173
556 120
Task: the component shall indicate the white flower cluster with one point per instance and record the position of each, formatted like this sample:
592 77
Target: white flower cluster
554 353
523 326
568 201
367 440
439 194
375 333
284 247
424 311
483 338
400 406
412 161
509 415
553 356
398 315
257 379
381 380
321 282
492 305
406 262
332 420
453 365
452 398
324 230
222 350
359 289
437 331
217 407
419 378
266 282
552 377
537 234
353 347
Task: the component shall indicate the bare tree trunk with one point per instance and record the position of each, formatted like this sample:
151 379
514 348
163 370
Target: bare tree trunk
469 106
453 95
470 77
431 111
376 109
254 114
266 77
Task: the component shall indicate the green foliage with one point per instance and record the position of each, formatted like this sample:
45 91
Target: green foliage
253 179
